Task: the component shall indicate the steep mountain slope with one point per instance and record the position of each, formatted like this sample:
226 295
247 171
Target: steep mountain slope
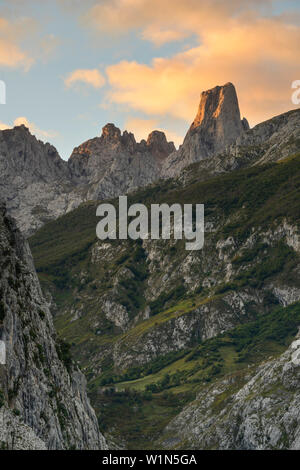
43 402
117 301
151 323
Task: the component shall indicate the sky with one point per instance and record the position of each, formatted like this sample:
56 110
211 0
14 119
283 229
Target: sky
71 66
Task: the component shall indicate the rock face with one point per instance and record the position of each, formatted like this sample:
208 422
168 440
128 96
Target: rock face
263 413
218 120
115 163
216 125
15 435
39 186
43 402
159 147
221 143
34 181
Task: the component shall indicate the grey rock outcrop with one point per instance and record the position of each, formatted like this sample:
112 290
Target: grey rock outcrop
15 435
115 163
34 181
38 186
216 125
221 143
38 383
159 147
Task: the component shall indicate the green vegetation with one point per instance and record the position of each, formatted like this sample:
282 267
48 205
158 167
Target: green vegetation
2 401
175 294
140 401
142 370
136 417
245 345
133 407
266 193
131 296
279 258
64 353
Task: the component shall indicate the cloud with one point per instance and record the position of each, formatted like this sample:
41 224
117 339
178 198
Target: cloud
162 21
161 36
22 120
142 128
48 46
4 126
90 77
260 55
11 34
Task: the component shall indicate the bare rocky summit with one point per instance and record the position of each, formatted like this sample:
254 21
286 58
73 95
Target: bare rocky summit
216 125
38 186
220 142
35 182
115 163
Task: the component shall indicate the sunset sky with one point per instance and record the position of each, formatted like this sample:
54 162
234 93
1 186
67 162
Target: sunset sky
71 66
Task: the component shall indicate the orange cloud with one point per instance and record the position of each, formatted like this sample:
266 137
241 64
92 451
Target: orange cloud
39 133
11 55
161 36
90 77
4 126
259 55
162 21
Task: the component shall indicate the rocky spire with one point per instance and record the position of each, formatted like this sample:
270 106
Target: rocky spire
218 118
111 133
216 125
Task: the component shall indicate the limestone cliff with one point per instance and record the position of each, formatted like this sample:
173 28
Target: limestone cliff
43 402
34 181
216 125
220 142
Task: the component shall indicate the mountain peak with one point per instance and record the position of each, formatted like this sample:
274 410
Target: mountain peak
110 132
219 110
216 126
159 146
218 120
